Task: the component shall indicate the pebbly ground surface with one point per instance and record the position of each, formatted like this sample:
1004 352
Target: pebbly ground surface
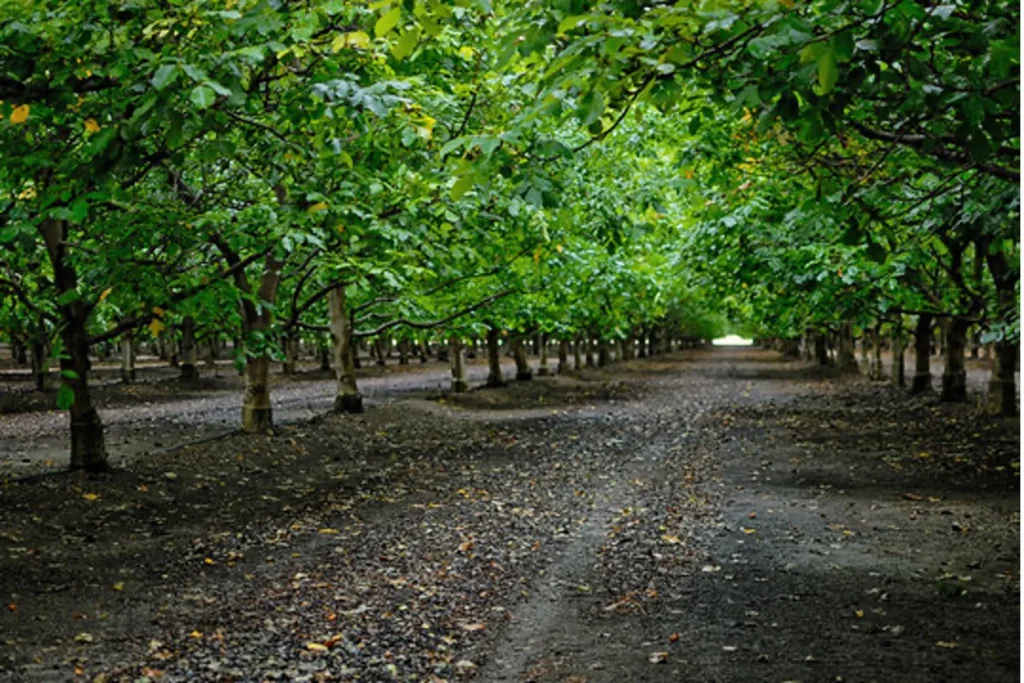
704 516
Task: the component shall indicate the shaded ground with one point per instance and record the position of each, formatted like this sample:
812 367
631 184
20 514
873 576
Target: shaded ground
708 516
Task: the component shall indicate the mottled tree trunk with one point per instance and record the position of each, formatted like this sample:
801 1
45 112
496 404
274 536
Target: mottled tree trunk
189 371
954 376
846 360
563 356
88 448
127 358
898 360
523 371
875 371
494 375
821 348
542 369
347 399
291 354
458 354
922 355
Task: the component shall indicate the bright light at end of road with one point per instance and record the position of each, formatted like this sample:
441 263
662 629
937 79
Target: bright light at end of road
732 340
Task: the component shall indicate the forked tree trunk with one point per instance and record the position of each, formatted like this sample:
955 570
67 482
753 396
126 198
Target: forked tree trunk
922 355
458 353
494 376
189 370
563 356
347 399
88 449
543 370
954 375
523 371
127 358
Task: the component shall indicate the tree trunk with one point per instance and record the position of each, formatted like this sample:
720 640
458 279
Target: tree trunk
494 376
257 415
543 370
875 371
589 349
846 359
127 358
88 449
604 356
189 371
403 352
39 364
898 363
954 376
458 353
821 348
347 399
523 371
652 342
324 351
378 346
922 355
577 359
291 354
975 343
1002 388
563 356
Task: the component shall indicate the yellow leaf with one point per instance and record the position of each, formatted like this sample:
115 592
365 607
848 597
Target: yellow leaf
208 560
949 645
536 256
466 52
748 530
19 114
159 311
155 326
319 206
329 531
195 634
316 647
351 39
859 613
106 293
671 540
558 248
91 126
91 496
339 227
119 586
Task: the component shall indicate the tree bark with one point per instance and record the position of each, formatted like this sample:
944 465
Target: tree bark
347 399
821 348
88 448
39 364
1002 388
127 358
954 376
604 356
922 355
875 371
563 356
898 363
458 354
494 376
589 349
846 359
577 358
291 354
257 414
189 371
542 342
523 371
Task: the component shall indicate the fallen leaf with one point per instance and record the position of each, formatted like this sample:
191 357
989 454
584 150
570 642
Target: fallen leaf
196 634
912 496
473 627
329 531
748 530
658 657
859 613
752 515
671 540
316 647
949 645
91 496
119 586
84 638
673 638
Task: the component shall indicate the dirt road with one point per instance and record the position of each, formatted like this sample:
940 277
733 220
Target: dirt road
705 516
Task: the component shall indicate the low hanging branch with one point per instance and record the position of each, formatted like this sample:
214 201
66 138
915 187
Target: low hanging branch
423 325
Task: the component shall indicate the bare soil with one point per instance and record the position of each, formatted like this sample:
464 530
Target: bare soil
703 516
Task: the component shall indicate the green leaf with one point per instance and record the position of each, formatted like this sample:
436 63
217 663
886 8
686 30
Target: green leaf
591 107
388 21
65 397
788 106
463 185
828 71
203 96
70 374
67 297
164 76
406 43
